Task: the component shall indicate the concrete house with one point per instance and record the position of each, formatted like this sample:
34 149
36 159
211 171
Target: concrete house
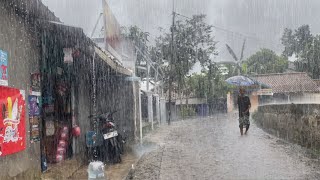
293 87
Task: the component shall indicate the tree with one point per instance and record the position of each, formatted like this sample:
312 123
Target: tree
211 87
305 47
140 41
265 61
288 42
199 86
192 42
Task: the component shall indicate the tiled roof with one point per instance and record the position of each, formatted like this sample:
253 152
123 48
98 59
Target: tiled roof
317 82
288 82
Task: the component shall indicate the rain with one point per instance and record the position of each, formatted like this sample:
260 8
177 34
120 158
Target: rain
159 89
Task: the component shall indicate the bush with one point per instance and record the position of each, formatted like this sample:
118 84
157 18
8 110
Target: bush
187 112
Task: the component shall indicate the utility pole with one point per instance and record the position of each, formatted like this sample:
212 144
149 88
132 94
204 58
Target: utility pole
149 95
95 26
172 60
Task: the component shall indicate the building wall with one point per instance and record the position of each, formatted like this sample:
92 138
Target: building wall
157 104
254 99
126 108
163 112
297 98
23 56
229 102
306 98
191 101
114 93
83 111
136 91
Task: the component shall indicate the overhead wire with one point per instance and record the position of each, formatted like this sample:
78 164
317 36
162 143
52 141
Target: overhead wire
239 34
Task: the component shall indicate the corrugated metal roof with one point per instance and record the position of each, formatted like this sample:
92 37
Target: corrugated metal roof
288 82
38 11
32 9
113 64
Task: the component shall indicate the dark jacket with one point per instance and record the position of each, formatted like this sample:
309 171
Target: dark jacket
243 104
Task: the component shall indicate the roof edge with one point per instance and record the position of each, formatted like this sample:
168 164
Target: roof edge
32 9
272 74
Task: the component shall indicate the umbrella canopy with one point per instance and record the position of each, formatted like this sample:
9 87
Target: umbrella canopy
241 81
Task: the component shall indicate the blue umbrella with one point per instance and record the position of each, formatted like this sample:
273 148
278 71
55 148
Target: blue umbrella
241 81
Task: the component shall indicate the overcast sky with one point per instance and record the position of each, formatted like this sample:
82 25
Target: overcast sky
261 22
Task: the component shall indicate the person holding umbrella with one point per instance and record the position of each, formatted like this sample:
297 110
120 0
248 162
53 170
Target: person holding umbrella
244 106
244 103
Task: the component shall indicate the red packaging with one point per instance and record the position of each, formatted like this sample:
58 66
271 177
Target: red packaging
76 131
62 143
59 158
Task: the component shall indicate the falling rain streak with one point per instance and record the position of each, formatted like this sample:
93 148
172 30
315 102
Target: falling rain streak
159 89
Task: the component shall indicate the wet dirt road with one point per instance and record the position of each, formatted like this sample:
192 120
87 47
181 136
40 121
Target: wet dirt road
212 148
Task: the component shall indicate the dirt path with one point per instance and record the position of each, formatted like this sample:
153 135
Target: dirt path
212 148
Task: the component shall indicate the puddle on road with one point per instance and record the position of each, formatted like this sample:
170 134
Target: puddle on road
140 149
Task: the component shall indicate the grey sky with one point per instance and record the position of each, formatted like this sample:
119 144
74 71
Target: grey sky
261 21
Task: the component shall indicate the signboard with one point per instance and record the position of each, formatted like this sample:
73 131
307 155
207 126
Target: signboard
265 92
33 105
35 82
34 128
3 68
112 31
50 129
12 121
67 55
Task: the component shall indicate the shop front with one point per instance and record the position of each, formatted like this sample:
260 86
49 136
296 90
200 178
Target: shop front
78 80
57 112
47 94
59 93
